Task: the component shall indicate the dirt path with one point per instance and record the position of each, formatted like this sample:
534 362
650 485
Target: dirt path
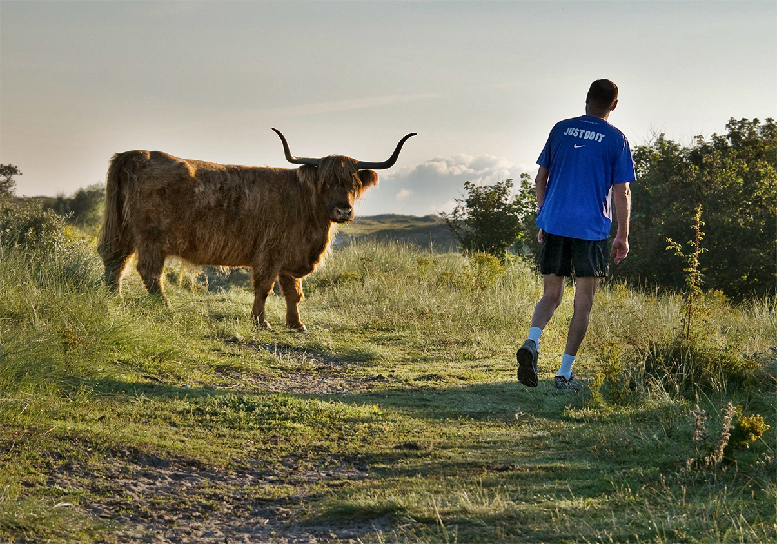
149 499
154 500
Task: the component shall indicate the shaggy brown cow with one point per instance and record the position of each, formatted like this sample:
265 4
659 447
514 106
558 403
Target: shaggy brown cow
275 220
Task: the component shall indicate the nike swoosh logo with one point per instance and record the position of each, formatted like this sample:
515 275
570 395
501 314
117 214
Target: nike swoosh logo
578 146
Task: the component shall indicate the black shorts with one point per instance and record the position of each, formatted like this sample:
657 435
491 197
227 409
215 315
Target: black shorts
564 256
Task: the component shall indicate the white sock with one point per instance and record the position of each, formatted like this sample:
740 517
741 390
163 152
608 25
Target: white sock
566 366
534 334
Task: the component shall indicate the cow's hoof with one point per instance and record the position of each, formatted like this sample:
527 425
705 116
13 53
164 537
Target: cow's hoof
160 299
299 327
262 324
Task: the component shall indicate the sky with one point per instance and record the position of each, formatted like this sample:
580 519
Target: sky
481 82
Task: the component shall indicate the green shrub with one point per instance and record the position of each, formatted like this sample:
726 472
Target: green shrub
695 359
746 430
698 366
83 209
486 270
733 176
28 226
49 251
736 433
488 220
7 183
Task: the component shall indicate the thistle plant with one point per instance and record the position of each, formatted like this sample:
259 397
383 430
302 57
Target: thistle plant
733 436
700 428
716 455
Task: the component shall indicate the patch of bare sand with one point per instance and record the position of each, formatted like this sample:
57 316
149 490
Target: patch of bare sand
148 499
310 373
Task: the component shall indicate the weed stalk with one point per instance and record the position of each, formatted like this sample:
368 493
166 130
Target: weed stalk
716 456
693 279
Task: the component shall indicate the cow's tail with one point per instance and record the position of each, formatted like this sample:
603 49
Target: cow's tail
114 243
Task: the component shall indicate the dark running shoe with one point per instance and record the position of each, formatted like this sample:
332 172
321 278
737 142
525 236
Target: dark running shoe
527 364
565 385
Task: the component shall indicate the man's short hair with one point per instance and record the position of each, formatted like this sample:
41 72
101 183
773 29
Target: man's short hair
602 94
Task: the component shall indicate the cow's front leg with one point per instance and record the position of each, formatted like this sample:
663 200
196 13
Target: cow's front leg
291 288
263 282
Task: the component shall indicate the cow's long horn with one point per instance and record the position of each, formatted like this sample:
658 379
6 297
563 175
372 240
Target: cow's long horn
291 158
386 164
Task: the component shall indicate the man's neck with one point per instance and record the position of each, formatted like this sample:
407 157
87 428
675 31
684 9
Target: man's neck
597 113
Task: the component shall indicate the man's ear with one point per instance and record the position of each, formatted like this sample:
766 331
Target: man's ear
368 178
614 104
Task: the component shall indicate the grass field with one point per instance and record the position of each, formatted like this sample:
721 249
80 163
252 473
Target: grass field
396 418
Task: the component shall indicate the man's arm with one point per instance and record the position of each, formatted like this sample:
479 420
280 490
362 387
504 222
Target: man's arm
620 246
540 184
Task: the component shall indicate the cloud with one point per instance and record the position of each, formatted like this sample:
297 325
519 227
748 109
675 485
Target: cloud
446 207
403 194
482 169
434 185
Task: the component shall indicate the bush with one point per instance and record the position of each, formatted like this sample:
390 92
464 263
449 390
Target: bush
7 183
27 226
487 220
688 368
84 209
734 178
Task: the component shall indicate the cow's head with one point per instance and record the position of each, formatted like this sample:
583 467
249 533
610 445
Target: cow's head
341 180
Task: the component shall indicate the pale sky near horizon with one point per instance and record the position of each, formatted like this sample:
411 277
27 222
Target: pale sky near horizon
482 83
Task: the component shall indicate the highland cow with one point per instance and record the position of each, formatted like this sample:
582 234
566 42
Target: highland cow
275 220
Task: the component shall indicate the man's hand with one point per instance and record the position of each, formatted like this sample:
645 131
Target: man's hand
620 248
541 236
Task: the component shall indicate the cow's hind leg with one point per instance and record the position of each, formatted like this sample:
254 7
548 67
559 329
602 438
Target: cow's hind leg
114 270
292 291
115 253
150 266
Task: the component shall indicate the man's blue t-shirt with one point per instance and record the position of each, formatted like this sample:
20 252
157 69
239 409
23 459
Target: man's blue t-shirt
586 156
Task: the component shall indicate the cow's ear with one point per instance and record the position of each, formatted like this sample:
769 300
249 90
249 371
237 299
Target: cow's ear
368 178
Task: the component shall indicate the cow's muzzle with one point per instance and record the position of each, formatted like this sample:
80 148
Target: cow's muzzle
342 214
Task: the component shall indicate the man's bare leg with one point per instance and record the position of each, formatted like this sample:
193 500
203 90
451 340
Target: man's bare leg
585 289
527 355
553 291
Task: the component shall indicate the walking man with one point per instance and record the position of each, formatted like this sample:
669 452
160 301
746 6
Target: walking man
585 163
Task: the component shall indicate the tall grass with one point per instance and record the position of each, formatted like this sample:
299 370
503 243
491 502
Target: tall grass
54 313
469 301
60 326
473 303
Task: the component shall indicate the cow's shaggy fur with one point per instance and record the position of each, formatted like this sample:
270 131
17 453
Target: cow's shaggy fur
275 220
